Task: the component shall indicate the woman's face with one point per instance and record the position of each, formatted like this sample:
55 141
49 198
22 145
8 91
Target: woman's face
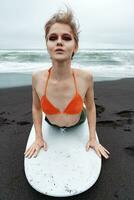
60 42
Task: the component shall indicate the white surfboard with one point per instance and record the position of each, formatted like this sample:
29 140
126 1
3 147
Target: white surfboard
66 168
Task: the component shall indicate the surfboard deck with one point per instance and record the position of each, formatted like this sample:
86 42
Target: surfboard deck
66 168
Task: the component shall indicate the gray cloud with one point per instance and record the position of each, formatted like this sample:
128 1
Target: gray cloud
102 23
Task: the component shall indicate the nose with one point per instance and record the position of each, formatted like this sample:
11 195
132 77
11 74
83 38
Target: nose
59 41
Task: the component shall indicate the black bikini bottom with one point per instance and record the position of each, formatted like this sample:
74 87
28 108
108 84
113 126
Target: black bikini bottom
81 120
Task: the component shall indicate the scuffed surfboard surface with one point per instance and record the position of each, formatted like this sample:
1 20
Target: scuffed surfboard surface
66 168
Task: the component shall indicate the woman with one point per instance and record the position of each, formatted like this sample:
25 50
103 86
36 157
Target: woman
61 90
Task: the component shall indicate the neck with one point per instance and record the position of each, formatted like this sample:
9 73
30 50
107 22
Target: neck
61 71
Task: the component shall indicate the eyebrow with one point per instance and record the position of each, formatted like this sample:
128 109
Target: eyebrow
68 34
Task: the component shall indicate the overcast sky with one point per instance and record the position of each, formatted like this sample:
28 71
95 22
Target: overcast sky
103 23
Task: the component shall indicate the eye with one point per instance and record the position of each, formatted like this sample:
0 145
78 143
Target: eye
52 38
67 38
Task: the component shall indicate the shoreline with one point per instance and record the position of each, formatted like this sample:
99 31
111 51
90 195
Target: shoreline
9 80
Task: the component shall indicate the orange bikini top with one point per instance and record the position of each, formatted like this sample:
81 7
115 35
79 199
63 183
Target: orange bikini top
74 107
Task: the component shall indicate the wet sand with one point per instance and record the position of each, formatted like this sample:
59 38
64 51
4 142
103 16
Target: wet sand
115 127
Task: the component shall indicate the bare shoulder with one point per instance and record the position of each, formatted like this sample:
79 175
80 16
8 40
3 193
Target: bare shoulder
85 74
38 76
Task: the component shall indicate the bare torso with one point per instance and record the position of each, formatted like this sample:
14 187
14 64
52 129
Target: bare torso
61 93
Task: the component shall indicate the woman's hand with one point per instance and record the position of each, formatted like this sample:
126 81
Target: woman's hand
35 148
100 150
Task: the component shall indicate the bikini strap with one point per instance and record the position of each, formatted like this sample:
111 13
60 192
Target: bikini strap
49 70
75 83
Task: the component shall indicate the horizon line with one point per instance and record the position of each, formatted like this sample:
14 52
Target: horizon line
78 50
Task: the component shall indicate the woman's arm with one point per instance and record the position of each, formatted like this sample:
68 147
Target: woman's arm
36 109
91 117
90 108
39 142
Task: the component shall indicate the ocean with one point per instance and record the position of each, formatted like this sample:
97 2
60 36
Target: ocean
16 66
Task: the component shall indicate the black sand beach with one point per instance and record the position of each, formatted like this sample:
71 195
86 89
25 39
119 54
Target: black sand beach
115 127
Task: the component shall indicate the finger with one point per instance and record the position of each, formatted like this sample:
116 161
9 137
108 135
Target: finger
87 147
106 150
29 148
28 151
104 154
45 147
31 153
35 154
36 151
98 152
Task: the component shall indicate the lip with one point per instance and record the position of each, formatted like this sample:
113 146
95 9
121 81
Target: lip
59 50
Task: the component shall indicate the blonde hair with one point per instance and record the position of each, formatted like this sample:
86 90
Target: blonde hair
64 17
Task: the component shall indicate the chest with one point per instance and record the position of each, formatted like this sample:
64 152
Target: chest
62 91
